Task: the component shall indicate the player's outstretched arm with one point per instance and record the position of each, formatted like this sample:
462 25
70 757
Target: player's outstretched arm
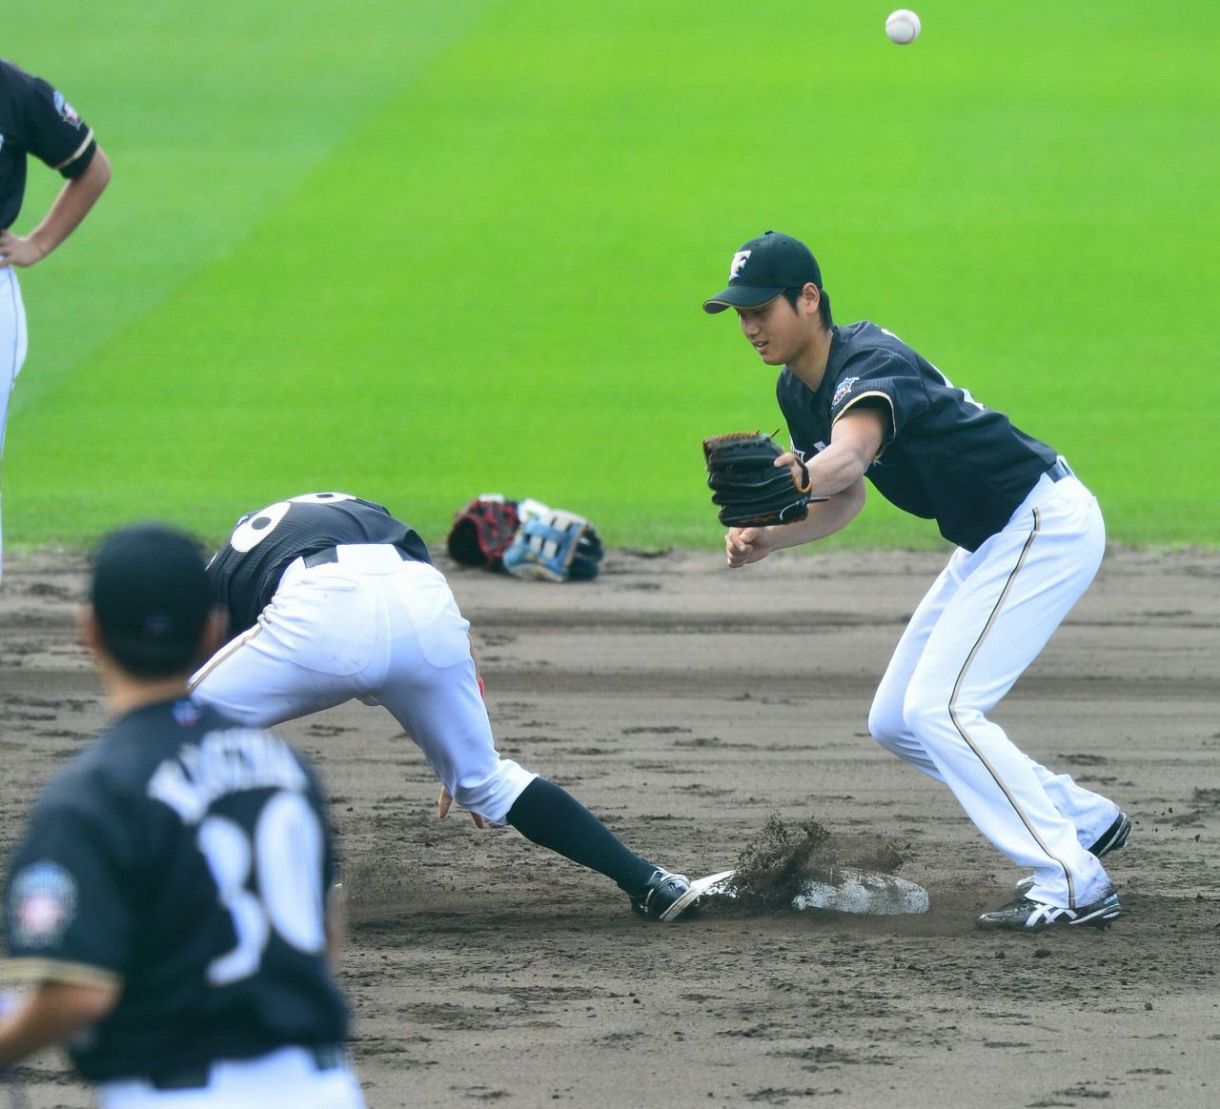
51 1015
65 215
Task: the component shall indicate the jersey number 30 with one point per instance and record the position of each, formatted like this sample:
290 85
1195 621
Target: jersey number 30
286 850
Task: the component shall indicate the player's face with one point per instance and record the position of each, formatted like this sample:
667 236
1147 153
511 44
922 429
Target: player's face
775 330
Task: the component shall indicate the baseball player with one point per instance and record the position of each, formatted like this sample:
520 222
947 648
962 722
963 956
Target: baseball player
1029 537
329 598
169 899
36 119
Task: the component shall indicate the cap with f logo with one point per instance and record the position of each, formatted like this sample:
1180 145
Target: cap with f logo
762 269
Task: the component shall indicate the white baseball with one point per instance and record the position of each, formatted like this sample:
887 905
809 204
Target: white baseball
902 26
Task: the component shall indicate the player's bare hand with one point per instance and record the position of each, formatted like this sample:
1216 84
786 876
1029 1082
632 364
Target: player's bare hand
800 475
445 802
16 251
745 545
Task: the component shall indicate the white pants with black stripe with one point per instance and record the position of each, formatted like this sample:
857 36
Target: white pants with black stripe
985 619
13 341
388 632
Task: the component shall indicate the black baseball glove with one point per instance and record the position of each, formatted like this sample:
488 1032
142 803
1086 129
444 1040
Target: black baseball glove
747 485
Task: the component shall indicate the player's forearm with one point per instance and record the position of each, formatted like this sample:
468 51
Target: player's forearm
52 1013
837 468
72 204
825 518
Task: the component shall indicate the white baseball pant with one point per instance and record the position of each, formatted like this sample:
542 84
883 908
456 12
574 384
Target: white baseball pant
984 620
386 631
13 346
288 1078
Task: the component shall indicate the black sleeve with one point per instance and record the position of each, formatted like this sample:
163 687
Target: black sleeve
55 133
67 915
883 378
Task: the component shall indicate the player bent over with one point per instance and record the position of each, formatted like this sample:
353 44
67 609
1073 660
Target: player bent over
332 598
861 403
169 898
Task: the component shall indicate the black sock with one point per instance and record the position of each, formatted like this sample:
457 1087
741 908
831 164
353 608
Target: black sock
552 818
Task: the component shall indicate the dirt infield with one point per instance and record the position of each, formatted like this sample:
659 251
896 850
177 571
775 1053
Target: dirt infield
687 704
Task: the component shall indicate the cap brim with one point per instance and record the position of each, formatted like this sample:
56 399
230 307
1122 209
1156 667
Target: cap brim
741 296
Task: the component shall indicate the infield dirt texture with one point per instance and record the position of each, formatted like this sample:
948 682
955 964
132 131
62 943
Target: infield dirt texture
421 250
688 704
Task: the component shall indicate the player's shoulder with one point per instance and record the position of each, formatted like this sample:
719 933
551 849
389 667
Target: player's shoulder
19 86
15 84
865 339
119 761
12 72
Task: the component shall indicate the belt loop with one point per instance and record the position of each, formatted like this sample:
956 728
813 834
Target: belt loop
1058 470
321 558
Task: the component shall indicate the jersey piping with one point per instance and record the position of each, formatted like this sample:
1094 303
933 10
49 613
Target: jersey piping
893 416
77 152
237 641
55 970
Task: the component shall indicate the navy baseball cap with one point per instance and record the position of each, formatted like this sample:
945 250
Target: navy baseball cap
763 268
150 595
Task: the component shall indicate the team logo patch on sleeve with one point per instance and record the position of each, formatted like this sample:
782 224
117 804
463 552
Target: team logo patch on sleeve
843 391
42 903
68 113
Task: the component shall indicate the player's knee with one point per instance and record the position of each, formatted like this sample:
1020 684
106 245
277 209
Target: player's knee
885 722
491 797
926 710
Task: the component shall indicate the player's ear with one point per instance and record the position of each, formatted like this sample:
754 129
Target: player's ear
88 634
811 298
214 629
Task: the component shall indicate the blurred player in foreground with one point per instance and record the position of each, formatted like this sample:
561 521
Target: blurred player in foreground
168 901
36 119
861 403
331 598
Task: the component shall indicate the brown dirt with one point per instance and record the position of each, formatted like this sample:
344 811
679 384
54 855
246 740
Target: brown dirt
688 705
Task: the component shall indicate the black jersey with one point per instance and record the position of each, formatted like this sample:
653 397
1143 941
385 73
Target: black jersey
184 859
36 119
946 457
245 572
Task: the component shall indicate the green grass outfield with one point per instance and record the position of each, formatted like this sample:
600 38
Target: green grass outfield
422 250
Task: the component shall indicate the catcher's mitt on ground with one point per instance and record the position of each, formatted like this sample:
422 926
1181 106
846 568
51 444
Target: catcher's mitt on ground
747 485
483 530
555 546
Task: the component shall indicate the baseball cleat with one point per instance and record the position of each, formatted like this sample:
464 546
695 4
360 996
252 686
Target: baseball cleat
1028 915
1111 839
665 897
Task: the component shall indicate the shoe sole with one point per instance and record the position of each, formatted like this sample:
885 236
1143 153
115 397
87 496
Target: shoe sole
1101 917
690 898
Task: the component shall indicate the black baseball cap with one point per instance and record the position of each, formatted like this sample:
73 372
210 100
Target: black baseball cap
763 268
150 595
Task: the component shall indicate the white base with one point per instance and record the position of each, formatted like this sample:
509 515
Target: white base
863 892
857 891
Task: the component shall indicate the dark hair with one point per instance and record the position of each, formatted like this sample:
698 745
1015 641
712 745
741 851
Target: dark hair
794 294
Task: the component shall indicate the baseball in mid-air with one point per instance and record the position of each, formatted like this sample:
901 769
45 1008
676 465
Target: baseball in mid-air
902 26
